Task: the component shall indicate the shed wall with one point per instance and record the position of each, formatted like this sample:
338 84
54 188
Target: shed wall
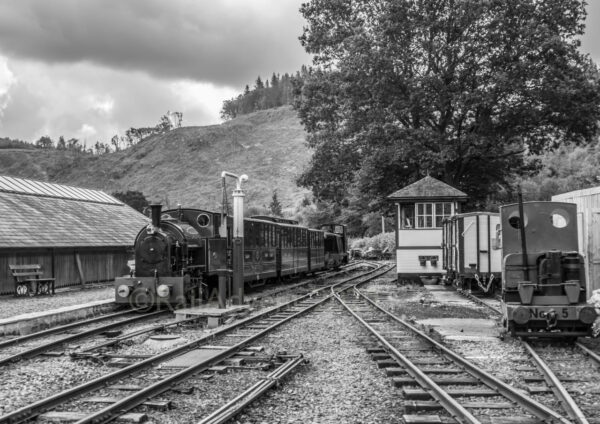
588 222
61 264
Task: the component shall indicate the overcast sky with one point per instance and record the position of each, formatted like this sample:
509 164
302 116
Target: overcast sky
90 69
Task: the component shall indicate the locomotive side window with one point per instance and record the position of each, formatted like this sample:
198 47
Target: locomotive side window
203 220
560 219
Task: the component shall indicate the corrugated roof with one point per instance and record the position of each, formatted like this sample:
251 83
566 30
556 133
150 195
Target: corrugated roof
577 193
39 188
33 218
428 188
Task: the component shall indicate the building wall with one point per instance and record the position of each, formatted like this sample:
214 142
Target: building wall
420 237
97 265
407 262
588 223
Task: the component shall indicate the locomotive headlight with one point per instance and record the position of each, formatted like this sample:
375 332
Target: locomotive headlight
587 315
163 291
521 315
123 290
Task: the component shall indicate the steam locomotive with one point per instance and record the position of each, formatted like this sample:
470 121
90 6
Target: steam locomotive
180 255
543 285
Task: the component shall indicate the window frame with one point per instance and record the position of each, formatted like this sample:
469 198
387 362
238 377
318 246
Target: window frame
433 215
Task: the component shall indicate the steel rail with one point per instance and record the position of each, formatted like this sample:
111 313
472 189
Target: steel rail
36 408
112 411
35 351
313 278
235 406
536 408
60 329
456 410
479 301
119 339
568 403
589 352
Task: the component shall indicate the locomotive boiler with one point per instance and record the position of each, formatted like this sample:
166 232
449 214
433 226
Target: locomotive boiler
543 287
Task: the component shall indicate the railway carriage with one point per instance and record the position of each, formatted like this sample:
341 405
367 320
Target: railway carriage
181 254
543 286
471 255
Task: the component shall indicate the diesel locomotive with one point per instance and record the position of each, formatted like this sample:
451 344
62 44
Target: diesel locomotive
543 278
180 255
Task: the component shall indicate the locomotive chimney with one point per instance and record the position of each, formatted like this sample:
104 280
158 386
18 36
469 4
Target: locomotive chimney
156 208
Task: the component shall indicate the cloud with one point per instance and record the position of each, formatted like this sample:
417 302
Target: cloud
93 103
222 42
7 80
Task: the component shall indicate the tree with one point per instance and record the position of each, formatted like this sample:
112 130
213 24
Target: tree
258 83
115 142
44 142
462 90
61 144
135 199
275 206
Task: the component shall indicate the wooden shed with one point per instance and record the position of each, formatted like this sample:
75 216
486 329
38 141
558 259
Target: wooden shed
588 227
77 235
420 211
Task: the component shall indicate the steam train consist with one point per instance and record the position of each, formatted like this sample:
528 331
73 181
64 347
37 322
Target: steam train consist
532 249
181 253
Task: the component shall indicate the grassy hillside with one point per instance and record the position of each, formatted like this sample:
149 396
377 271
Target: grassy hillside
184 166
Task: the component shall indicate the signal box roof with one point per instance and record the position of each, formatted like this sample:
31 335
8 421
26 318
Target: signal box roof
427 189
38 214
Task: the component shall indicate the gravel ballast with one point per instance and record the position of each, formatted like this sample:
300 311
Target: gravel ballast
11 306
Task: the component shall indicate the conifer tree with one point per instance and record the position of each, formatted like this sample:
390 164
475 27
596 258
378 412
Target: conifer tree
275 206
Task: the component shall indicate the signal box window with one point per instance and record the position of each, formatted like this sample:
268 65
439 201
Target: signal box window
431 215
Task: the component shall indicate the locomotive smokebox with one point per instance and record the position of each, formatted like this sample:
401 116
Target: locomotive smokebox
156 209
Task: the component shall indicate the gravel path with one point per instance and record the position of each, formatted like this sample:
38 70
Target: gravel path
11 306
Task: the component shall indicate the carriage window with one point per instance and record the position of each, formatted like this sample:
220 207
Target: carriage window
431 215
560 218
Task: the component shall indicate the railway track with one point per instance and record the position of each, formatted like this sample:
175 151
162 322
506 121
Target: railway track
27 352
425 369
199 354
567 373
31 352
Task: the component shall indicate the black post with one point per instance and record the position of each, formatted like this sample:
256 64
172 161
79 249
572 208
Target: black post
523 240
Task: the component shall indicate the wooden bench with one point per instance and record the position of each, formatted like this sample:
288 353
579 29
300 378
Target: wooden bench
26 275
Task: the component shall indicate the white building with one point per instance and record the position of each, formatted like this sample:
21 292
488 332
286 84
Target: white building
420 210
588 224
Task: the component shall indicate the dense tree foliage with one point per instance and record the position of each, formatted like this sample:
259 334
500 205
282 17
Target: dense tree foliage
567 168
265 95
461 89
135 199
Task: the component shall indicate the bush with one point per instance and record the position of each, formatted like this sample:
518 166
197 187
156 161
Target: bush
380 241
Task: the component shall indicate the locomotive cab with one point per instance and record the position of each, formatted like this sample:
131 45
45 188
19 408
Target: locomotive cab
543 285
